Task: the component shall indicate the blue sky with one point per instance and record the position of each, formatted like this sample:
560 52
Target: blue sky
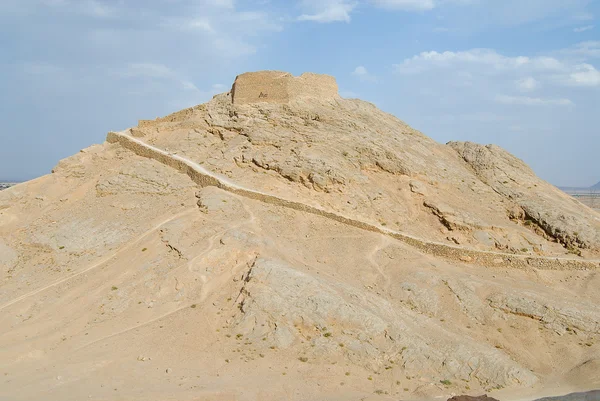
524 74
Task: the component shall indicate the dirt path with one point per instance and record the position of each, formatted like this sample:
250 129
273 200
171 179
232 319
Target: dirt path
102 261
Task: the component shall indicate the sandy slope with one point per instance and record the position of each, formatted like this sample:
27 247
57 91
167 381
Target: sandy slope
124 280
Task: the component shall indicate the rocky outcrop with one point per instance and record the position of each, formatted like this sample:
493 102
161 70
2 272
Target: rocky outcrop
203 177
560 318
543 205
285 306
352 158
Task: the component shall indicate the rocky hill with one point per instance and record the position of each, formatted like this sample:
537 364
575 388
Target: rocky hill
281 242
597 186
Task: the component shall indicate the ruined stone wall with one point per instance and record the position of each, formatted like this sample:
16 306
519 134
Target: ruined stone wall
281 87
310 85
203 178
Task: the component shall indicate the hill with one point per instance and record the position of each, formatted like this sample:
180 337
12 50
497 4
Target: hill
597 186
292 244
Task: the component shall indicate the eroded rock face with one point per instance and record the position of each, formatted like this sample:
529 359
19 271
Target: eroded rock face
144 177
284 306
560 318
557 214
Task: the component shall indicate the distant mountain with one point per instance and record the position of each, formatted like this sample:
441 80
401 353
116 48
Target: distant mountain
597 186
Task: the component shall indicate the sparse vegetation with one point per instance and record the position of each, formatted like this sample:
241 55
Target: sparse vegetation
446 382
303 359
144 249
114 288
328 334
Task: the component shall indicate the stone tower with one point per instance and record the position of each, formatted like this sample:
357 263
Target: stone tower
281 87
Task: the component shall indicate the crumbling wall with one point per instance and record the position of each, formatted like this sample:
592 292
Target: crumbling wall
281 87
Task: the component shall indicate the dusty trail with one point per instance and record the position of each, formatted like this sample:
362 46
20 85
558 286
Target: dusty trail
208 287
383 243
204 177
102 261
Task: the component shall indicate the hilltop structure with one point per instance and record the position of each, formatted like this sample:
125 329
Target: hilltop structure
282 234
281 87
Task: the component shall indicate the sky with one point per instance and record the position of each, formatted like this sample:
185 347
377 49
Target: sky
522 74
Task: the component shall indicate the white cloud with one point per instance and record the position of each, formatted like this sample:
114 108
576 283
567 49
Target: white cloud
527 72
191 24
404 5
189 86
583 28
482 57
532 101
221 3
585 75
360 71
340 10
94 8
527 84
589 49
363 74
505 12
583 16
327 10
212 21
